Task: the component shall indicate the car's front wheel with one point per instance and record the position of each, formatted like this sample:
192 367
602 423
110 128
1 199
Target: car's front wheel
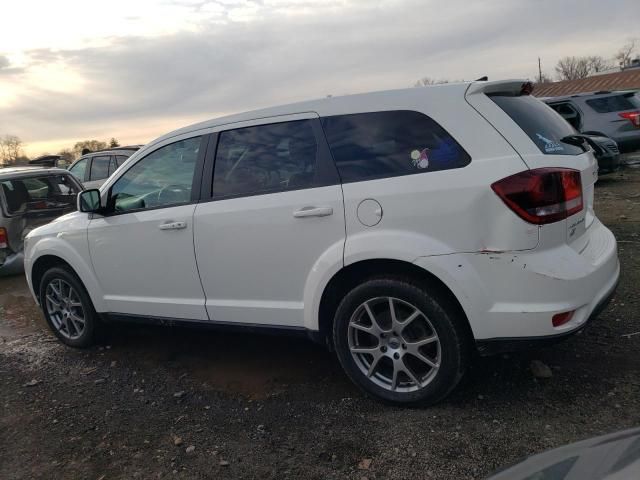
400 342
67 308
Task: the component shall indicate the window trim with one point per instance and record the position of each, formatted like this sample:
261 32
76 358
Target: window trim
195 184
326 172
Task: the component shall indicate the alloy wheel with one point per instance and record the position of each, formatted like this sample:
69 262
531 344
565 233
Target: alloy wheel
394 344
65 309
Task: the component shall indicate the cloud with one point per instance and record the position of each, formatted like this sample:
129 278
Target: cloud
274 52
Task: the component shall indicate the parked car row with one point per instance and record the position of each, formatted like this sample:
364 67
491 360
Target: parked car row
407 230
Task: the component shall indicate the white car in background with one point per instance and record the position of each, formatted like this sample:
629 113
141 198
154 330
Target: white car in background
404 229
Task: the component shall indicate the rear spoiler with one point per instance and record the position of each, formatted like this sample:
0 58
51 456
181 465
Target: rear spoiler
513 87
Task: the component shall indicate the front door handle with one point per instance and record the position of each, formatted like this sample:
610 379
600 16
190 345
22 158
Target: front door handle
313 212
172 225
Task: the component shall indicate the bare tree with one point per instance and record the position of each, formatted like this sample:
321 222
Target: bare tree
10 149
625 54
67 157
114 142
426 81
81 147
573 68
596 64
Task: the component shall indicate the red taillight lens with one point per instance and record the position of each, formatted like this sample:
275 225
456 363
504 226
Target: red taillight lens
4 242
562 318
633 117
542 195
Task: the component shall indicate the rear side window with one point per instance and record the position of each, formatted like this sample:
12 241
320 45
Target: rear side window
390 144
614 103
265 159
540 122
100 167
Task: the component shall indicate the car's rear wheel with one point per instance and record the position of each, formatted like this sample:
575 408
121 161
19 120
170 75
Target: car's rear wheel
67 308
400 342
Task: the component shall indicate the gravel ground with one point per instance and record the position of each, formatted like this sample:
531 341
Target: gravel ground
182 403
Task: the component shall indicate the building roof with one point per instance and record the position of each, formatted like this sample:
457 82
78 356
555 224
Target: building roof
625 80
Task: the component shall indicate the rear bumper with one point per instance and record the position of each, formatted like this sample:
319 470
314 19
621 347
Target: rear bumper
513 296
494 346
13 264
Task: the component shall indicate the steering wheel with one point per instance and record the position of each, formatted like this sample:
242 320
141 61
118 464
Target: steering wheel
173 193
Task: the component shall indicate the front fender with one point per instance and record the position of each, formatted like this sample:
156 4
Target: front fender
73 249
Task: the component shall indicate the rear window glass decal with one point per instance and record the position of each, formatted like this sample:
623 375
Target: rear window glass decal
420 158
549 145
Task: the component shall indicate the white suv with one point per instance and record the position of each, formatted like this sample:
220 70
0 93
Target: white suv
405 229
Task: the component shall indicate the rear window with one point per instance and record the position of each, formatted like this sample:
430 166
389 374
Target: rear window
389 144
540 122
38 193
615 103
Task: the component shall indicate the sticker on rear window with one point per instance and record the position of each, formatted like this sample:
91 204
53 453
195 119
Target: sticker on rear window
549 145
420 158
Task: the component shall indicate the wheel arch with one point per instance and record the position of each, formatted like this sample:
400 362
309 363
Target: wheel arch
43 257
350 276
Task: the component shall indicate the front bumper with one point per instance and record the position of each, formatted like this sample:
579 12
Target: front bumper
608 163
514 295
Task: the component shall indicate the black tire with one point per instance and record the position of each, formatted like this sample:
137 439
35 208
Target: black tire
92 324
441 317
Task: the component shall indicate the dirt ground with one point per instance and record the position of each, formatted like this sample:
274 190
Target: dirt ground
182 403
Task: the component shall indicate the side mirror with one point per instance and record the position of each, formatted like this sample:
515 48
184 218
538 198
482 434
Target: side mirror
89 201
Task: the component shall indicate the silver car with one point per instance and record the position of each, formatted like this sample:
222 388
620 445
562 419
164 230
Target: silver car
614 114
93 168
30 197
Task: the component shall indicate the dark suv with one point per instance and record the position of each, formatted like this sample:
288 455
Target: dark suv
610 114
93 168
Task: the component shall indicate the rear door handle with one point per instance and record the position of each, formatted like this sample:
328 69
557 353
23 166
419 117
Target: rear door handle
172 225
313 212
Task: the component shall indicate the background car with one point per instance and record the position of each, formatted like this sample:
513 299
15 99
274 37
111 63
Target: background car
610 114
606 151
30 197
93 168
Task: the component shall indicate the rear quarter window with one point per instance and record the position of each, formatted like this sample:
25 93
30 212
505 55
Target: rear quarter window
388 144
539 121
614 103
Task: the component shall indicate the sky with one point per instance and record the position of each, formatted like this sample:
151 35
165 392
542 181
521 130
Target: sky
72 70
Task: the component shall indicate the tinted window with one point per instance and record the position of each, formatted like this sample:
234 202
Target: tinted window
120 159
100 167
388 144
39 193
79 168
567 112
161 179
614 103
544 126
265 158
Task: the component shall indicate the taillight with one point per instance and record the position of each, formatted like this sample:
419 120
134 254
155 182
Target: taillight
542 195
4 242
633 117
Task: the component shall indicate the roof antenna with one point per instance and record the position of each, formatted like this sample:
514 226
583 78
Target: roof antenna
482 79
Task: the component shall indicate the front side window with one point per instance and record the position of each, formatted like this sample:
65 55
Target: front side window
100 167
389 144
161 179
39 193
79 168
540 122
265 159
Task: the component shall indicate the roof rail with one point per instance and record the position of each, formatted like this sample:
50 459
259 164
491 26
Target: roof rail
126 147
